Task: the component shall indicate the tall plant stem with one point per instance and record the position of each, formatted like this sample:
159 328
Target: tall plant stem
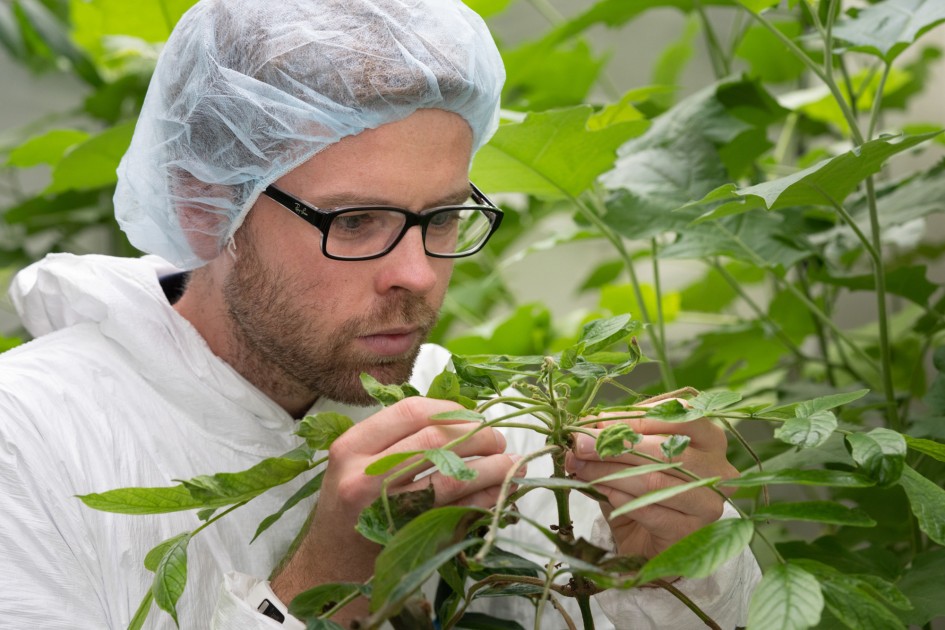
666 371
660 319
813 307
818 330
764 317
720 63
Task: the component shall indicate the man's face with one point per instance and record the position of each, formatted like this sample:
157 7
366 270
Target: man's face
321 322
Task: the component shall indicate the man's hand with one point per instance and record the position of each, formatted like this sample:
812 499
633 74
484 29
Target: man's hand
330 549
651 529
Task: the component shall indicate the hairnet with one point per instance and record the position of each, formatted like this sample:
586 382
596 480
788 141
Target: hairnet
246 90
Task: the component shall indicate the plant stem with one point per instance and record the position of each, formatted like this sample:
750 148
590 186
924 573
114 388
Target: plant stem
814 308
587 617
720 63
666 372
661 321
691 605
772 326
818 329
751 452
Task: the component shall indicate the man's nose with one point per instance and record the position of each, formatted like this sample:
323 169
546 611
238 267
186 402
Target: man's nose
407 266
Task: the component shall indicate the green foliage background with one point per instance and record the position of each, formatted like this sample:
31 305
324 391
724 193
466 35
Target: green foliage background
770 179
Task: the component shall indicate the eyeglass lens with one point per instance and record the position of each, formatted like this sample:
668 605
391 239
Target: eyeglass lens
367 232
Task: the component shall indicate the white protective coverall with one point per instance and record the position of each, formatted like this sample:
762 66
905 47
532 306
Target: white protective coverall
118 390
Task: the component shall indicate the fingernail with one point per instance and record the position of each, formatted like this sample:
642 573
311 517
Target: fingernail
585 445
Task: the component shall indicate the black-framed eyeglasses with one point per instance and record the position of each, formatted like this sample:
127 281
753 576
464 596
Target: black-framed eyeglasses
366 232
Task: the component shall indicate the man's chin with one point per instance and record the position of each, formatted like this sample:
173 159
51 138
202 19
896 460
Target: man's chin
388 373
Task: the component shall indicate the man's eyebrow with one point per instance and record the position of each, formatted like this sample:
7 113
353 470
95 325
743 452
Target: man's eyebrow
353 198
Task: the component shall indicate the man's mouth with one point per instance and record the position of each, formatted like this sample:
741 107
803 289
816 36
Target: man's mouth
391 341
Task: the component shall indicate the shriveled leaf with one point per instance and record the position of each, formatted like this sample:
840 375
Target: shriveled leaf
312 486
612 440
404 507
445 386
787 598
673 411
815 511
419 540
600 334
807 431
322 429
387 395
830 478
658 496
927 501
674 445
316 601
888 28
699 554
881 454
450 464
170 576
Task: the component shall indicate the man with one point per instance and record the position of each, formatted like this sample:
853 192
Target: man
263 121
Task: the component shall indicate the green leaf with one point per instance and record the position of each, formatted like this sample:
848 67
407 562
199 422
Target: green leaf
92 163
933 449
388 462
807 431
404 507
143 500
822 403
312 486
787 598
387 395
600 334
815 511
157 553
148 20
881 454
658 496
757 6
488 8
170 576
322 429
418 541
413 580
445 386
614 13
315 601
908 282
560 483
633 471
830 478
831 180
47 148
141 615
674 445
768 58
622 298
927 501
713 401
603 274
856 607
550 154
699 554
229 488
611 442
450 464
888 28
54 35
525 331
673 411
922 584
544 74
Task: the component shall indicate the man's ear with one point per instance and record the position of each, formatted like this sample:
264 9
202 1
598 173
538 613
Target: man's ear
199 214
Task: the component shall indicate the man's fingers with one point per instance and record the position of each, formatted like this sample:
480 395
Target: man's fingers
490 473
389 426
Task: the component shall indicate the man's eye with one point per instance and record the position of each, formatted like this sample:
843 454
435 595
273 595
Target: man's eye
444 220
355 221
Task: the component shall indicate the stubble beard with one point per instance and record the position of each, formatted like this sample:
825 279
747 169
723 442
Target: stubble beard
283 348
